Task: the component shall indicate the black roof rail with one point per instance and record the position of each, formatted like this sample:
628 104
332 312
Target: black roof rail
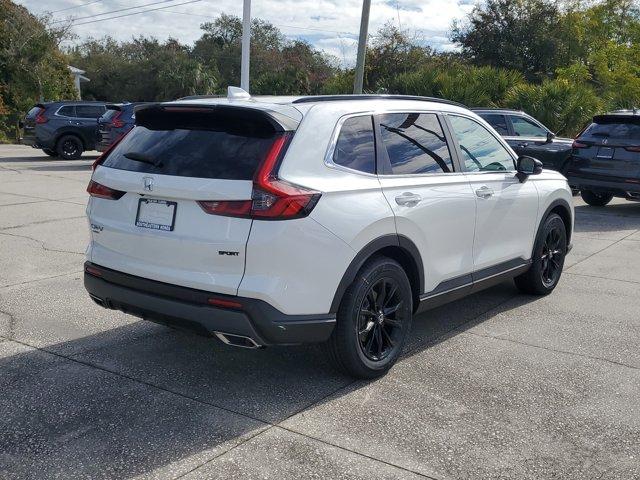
496 109
334 98
196 97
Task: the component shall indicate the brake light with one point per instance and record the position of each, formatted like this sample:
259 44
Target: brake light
40 118
221 302
98 190
103 155
92 271
271 198
116 122
632 149
577 144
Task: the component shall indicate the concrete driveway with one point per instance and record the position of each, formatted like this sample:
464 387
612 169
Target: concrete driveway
499 385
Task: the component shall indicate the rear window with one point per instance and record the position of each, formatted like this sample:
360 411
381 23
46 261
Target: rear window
209 146
497 121
33 112
415 143
109 114
355 147
618 129
68 111
89 111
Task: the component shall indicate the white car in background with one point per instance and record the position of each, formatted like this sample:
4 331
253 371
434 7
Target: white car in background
288 220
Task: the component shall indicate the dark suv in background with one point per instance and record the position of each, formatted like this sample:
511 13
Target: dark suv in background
605 160
64 129
527 136
116 121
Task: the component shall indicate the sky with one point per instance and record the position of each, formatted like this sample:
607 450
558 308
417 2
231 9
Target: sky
330 25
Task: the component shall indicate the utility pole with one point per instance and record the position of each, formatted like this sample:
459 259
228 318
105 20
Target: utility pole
362 47
246 41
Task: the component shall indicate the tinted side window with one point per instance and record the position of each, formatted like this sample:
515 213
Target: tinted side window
481 151
68 111
89 111
526 128
355 147
415 143
498 122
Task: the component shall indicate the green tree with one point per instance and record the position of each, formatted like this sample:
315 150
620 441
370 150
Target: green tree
32 68
522 35
143 69
565 107
278 66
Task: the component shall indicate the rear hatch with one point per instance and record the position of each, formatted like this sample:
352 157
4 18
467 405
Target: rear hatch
105 125
145 211
29 123
608 149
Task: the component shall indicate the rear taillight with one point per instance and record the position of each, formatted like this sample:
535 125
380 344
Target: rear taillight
104 154
221 302
116 122
577 144
98 190
632 149
40 118
272 198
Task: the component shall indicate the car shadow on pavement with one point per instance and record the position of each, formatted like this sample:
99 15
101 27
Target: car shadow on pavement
75 167
142 398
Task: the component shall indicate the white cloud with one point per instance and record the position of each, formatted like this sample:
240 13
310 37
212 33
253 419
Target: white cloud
331 25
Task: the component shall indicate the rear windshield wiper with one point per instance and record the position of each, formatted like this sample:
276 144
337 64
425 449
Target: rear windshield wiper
141 157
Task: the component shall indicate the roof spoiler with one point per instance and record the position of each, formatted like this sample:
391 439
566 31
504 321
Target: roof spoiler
163 115
617 118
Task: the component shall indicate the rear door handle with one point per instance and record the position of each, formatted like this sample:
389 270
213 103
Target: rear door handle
484 192
408 199
523 145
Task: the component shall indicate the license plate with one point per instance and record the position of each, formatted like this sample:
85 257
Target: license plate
605 152
156 214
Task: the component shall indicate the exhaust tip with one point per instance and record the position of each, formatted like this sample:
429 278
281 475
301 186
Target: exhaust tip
98 300
237 340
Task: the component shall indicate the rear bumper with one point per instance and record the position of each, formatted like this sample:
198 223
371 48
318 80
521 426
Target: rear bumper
30 140
622 187
189 309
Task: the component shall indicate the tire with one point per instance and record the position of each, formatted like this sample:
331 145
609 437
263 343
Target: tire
51 153
69 147
365 344
547 258
596 199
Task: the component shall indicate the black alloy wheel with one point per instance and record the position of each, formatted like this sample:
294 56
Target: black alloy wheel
373 321
552 257
380 322
70 147
547 259
596 199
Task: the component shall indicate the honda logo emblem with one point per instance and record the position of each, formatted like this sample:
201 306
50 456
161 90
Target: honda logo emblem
148 184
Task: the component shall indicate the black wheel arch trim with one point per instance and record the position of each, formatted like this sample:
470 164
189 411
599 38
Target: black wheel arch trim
391 240
560 202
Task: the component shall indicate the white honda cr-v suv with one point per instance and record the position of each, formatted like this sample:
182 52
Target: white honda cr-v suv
288 220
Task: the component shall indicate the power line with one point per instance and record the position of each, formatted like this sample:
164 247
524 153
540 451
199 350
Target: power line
201 15
76 6
116 11
198 15
134 13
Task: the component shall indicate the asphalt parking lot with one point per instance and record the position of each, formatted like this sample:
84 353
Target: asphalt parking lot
499 385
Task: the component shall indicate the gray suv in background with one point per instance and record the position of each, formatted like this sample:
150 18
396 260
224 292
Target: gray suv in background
527 136
63 129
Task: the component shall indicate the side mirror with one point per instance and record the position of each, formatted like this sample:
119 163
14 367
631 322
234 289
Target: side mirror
550 137
528 166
